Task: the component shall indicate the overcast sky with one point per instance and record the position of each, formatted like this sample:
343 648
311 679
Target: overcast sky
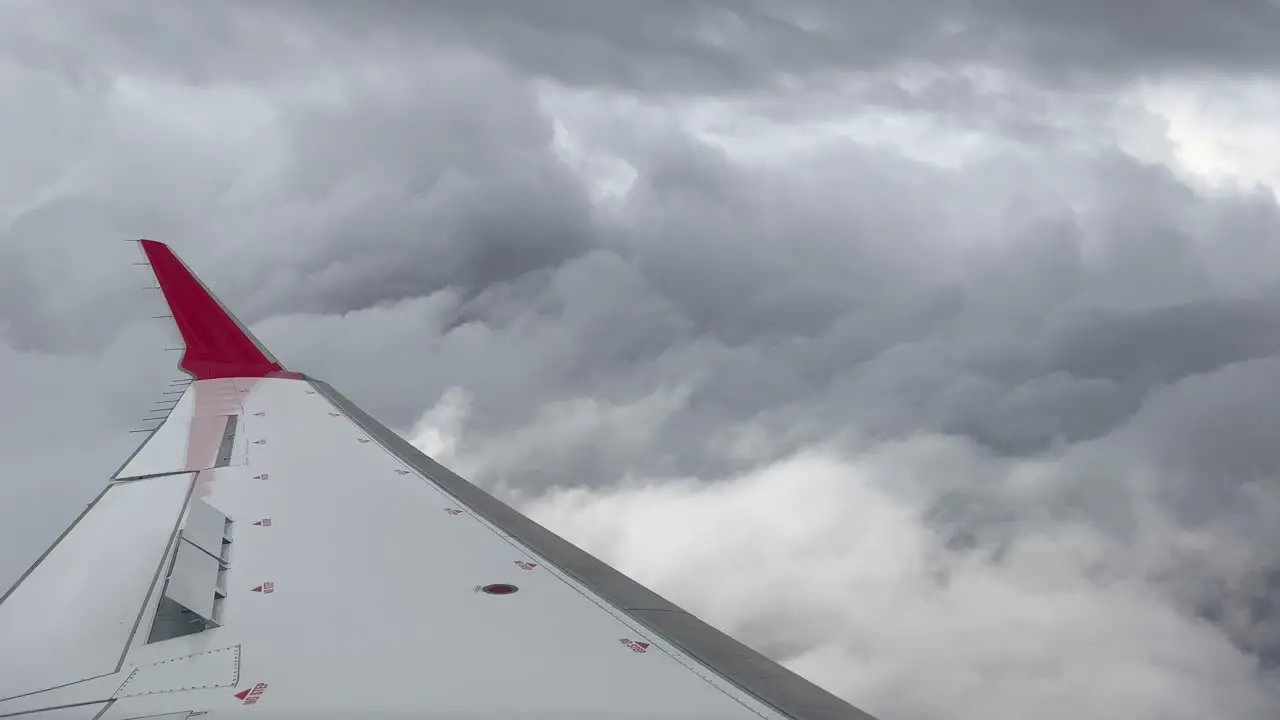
932 348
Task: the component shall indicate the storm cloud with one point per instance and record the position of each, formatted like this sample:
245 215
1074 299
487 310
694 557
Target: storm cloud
931 348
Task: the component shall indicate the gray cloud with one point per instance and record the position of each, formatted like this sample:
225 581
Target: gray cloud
734 46
1021 403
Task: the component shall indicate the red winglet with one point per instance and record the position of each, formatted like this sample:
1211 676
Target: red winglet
216 345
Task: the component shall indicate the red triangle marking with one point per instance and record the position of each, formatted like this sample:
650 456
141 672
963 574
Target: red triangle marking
243 694
643 645
259 523
257 589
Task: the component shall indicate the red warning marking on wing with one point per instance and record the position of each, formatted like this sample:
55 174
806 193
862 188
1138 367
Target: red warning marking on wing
252 695
525 565
263 476
265 588
264 522
453 511
635 645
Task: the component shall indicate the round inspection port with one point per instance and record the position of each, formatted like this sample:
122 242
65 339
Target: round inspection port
499 589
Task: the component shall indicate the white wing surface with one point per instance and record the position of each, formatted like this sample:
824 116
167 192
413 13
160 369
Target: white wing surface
271 549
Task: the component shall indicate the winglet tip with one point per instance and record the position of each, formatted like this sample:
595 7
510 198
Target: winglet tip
217 345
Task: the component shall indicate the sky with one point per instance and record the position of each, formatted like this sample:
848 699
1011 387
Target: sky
931 348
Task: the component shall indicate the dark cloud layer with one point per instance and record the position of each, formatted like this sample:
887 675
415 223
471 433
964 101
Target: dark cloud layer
1022 402
735 46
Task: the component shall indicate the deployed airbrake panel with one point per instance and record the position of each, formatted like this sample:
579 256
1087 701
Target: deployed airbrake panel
205 527
60 624
193 587
193 584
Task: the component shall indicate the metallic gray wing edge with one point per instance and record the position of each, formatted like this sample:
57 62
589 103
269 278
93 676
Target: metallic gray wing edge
738 664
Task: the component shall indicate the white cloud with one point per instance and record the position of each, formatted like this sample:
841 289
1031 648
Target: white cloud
834 555
1222 129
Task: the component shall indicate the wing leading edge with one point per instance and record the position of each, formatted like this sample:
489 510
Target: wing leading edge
272 545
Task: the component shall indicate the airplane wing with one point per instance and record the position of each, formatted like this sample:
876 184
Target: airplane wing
272 549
